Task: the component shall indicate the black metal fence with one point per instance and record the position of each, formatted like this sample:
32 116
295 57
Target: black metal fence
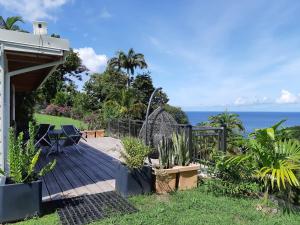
203 141
122 128
206 140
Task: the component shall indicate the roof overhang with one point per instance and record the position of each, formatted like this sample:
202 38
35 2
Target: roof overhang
31 58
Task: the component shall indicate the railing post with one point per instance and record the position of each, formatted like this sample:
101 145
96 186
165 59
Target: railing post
224 137
129 127
118 128
190 136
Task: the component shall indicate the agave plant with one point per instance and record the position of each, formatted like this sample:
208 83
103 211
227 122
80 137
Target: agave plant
275 160
23 157
166 153
181 149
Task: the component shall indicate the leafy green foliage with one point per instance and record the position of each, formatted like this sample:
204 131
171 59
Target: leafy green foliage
177 113
101 87
10 23
23 157
129 62
275 160
232 188
135 152
62 79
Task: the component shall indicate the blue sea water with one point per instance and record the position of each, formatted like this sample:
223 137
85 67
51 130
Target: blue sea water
252 120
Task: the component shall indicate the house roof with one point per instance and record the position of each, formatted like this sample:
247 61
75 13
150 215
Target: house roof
30 57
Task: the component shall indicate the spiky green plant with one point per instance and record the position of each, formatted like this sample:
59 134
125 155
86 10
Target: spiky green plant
23 157
166 153
181 149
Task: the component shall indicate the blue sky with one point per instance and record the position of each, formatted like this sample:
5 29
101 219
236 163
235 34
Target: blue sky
207 55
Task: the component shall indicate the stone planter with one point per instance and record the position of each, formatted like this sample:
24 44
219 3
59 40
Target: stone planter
99 133
165 180
133 181
20 201
188 176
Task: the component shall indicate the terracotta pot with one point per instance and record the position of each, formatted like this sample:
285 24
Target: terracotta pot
90 134
99 133
165 180
188 176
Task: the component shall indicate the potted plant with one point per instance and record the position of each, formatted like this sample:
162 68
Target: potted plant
188 172
165 174
134 176
21 195
175 168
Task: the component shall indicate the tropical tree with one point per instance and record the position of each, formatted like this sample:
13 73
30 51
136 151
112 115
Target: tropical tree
229 120
128 62
10 23
273 159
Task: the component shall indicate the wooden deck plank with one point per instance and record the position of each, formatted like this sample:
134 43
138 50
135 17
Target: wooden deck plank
110 165
87 185
76 174
93 171
62 179
52 185
45 192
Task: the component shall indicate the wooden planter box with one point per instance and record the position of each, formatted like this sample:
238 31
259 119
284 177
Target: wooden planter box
20 201
93 133
188 176
90 133
165 180
99 133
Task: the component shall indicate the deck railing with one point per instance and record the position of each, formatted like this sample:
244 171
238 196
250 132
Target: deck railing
202 140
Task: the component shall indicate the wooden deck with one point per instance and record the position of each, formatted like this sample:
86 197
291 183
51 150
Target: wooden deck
76 174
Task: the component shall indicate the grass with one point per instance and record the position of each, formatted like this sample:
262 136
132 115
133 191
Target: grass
59 120
188 207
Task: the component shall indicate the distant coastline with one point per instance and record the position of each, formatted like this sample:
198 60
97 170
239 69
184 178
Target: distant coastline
251 120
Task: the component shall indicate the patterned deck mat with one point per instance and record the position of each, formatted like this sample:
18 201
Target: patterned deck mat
89 208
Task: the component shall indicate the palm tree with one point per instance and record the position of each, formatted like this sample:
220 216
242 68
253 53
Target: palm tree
129 62
229 120
10 23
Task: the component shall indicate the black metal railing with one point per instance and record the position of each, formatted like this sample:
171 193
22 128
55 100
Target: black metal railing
203 141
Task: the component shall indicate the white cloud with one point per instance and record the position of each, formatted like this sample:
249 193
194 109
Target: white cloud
105 14
251 101
33 9
93 61
287 97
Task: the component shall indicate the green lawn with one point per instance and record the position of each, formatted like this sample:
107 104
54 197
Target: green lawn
59 120
189 207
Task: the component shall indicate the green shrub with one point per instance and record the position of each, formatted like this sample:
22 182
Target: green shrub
135 152
275 160
23 157
232 188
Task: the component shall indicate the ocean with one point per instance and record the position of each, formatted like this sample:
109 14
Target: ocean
252 120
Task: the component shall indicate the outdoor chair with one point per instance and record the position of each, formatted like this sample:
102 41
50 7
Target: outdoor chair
73 136
42 138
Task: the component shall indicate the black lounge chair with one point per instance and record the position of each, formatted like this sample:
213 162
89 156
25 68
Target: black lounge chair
72 138
42 138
